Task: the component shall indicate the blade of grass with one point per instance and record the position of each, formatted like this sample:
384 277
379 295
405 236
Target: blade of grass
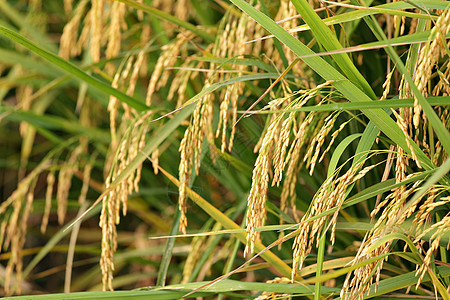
337 153
275 41
131 295
319 266
176 291
167 254
172 19
230 262
340 226
233 285
73 70
226 222
51 122
71 251
401 281
329 41
11 58
218 85
246 61
391 103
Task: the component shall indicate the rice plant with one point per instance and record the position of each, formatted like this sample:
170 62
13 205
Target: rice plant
225 149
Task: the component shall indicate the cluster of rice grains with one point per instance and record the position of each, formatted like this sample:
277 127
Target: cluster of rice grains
128 135
58 166
16 210
395 208
274 146
229 44
286 143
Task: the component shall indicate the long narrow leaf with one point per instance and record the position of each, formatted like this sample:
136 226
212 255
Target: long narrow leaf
165 16
327 39
393 103
73 70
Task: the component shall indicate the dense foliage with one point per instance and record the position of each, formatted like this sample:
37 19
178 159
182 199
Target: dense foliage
225 149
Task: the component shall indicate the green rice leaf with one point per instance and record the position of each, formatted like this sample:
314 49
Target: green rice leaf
168 17
73 70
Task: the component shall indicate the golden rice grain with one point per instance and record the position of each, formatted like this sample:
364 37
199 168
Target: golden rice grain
117 23
260 182
330 195
70 32
97 26
48 200
20 202
428 57
271 295
65 182
167 59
